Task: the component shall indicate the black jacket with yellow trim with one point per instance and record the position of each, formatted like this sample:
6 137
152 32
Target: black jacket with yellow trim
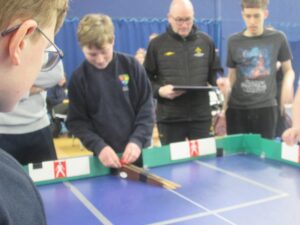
171 59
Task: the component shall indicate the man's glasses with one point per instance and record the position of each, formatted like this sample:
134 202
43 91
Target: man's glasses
51 57
179 20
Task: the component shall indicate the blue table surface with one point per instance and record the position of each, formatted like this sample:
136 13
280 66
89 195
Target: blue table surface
235 189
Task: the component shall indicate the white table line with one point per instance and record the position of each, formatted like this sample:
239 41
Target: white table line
216 212
88 204
245 179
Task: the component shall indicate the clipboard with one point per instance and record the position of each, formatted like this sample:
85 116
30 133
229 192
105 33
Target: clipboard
193 88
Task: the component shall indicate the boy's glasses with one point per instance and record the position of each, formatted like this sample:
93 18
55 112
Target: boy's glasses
51 57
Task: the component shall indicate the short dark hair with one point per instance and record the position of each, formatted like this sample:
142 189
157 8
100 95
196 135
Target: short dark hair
262 4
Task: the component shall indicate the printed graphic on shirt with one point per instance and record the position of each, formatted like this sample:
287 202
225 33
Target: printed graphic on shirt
198 52
124 78
256 65
169 53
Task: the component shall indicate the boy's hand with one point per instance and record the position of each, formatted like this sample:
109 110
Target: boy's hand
131 153
109 158
291 135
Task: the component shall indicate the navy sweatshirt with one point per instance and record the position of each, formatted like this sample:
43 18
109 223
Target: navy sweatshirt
111 106
20 202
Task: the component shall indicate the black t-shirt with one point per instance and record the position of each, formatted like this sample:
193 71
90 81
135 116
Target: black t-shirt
255 59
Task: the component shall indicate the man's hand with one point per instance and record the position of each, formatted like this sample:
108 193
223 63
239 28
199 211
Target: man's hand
35 90
109 158
220 127
291 135
168 92
131 153
223 84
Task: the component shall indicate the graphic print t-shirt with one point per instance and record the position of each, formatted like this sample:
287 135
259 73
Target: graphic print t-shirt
254 59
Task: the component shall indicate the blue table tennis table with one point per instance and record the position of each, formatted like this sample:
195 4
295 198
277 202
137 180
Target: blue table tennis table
241 188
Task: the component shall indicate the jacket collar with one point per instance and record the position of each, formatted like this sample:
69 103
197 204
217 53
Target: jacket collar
192 35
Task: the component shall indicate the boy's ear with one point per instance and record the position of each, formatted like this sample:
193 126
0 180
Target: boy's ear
19 39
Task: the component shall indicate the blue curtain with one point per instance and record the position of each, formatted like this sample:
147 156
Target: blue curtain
293 35
131 34
66 40
295 47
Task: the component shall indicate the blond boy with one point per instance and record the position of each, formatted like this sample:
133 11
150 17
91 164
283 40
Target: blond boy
111 108
27 28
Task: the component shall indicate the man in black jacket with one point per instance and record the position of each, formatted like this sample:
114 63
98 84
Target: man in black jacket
182 56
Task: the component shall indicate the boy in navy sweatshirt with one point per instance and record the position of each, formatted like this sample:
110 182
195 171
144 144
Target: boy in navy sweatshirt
111 106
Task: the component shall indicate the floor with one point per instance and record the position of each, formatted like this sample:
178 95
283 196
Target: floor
69 147
72 147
